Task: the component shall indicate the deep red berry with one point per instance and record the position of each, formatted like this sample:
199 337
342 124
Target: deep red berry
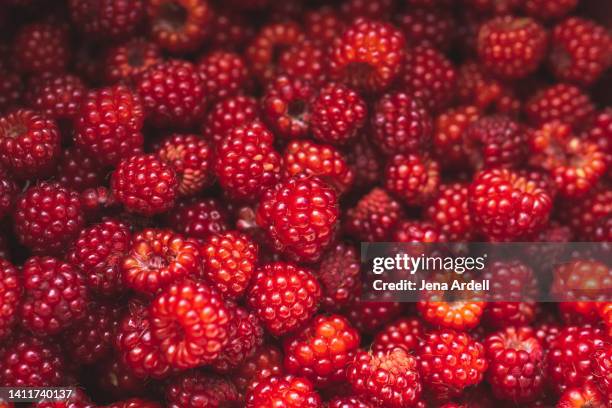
305 61
403 333
323 25
412 177
224 74
603 370
600 132
374 216
450 213
78 171
198 218
229 30
57 96
286 106
232 112
126 61
338 273
41 48
376 9
562 102
8 192
199 390
134 403
349 402
584 215
10 297
284 391
11 89
448 136
549 10
584 396
264 363
107 19
370 316
496 141
77 399
29 361
429 27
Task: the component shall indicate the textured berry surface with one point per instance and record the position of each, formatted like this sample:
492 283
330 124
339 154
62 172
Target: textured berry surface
374 216
180 25
285 391
10 293
198 218
31 362
200 390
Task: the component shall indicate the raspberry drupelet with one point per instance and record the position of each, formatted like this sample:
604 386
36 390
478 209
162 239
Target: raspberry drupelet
42 48
126 61
107 19
57 96
198 218
286 106
229 113
413 178
339 276
197 390
373 217
10 297
29 361
223 73
449 211
283 391
562 102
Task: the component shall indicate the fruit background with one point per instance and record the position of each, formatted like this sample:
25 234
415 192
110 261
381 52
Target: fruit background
184 185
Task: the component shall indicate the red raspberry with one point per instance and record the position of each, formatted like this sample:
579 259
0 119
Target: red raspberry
505 206
78 171
430 77
126 61
603 370
224 74
145 185
198 390
386 377
369 55
10 296
246 162
47 217
374 216
413 178
401 124
450 361
29 143
496 141
516 361
338 274
11 89
581 51
138 349
109 124
229 30
305 61
549 10
118 381
107 19
41 48
232 112
286 106
323 25
374 9
365 162
348 402
495 7
324 161
583 216
133 403
29 361
450 213
403 333
8 193
322 350
191 324
369 317
284 296
191 158
601 132
561 102
179 26
456 314
173 93
300 216
448 135
264 363
429 27
337 113
57 96
262 51
584 396
55 295
198 218
287 391
78 399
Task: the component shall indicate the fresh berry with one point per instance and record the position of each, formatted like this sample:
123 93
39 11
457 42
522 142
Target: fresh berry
78 171
229 30
365 161
374 216
583 216
404 333
449 211
10 297
42 48
371 316
412 177
199 390
374 9
8 193
29 361
549 10
264 363
429 27
232 112
562 102
496 141
224 74
179 26
107 19
284 391
286 106
584 396
603 370
305 61
11 90
57 96
323 25
133 403
338 274
349 402
126 61
198 218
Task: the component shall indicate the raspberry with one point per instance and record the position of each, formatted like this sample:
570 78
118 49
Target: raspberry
496 141
585 396
191 324
324 161
179 26
450 361
401 124
603 370
549 10
450 213
158 258
386 377
338 274
133 403
198 218
223 73
229 30
227 114
600 132
448 135
581 51
583 216
196 390
11 90
10 297
377 9
427 27
107 19
78 399
28 361
322 350
57 96
264 363
369 317
456 314
285 391
145 185
368 56
305 61
323 25
430 77
246 162
29 143
126 61
42 48
337 113
109 124
505 206
8 193
561 102
284 296
48 217
286 106
516 361
78 171
348 402
300 216
403 333
495 7
413 178
173 94
365 162
374 216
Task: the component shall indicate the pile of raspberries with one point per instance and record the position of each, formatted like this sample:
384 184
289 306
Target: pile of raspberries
184 186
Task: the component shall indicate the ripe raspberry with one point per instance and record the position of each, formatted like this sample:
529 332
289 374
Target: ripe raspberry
11 90
374 9
41 48
229 262
600 132
229 30
456 314
584 396
365 161
348 402
428 27
581 51
232 112
562 102
198 218
300 216
284 296
583 216
246 162
322 350
338 274
223 73
48 217
8 193
549 10
368 56
179 26
506 206
286 106
264 363
57 96
323 25
337 113
495 7
107 19
10 297
283 391
29 361
78 399
29 143
173 93
401 124
197 390
145 185
55 295
369 317
386 377
191 324
109 124
450 361
403 333
118 381
305 61
133 403
516 361
448 136
126 61
430 77
78 171
450 213
603 370
496 141
413 178
374 216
